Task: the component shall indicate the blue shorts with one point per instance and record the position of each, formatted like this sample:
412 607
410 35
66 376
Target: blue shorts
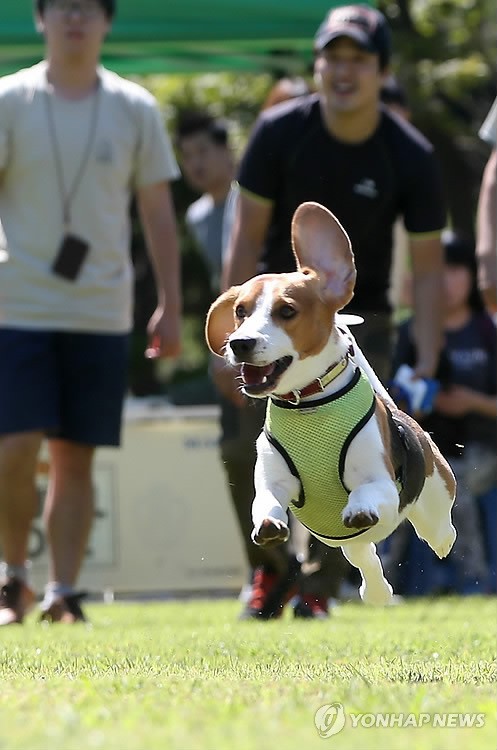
68 385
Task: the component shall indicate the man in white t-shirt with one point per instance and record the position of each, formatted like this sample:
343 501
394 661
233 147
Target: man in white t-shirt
486 231
75 142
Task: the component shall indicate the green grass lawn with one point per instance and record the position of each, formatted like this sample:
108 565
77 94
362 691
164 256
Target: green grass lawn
187 676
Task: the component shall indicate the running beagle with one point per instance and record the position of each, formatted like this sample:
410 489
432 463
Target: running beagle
335 450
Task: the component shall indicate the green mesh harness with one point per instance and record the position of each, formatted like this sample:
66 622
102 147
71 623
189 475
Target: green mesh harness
313 439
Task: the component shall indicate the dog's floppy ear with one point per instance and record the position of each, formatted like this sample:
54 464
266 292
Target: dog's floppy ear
320 242
220 320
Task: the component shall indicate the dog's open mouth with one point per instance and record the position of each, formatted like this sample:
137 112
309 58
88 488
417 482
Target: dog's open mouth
263 379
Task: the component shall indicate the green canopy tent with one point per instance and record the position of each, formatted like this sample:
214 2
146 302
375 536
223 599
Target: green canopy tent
182 36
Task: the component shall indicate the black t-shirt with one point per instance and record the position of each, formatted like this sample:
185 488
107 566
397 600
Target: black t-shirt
292 158
469 359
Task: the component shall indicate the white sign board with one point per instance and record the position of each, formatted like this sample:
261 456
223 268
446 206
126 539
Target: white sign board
164 521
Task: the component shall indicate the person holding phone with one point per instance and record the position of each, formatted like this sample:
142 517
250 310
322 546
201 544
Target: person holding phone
76 141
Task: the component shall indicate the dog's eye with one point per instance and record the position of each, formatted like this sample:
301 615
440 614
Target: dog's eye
240 312
287 312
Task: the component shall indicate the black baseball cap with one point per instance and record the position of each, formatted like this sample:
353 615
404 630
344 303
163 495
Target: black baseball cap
364 25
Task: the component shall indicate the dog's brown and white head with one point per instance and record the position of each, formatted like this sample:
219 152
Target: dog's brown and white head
280 327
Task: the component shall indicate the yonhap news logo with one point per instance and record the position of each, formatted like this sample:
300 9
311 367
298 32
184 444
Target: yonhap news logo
331 718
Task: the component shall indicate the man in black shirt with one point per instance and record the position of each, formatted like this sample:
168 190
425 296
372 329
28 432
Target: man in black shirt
342 148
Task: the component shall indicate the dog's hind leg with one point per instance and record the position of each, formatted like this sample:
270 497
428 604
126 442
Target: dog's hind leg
374 589
431 514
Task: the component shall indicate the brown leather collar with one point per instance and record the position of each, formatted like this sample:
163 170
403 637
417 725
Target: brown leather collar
316 386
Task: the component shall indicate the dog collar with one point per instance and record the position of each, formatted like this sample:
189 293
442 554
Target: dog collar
317 386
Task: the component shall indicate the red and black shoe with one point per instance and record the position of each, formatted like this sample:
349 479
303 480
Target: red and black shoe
270 592
311 606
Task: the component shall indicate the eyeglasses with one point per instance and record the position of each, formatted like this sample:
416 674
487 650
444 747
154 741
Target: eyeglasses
86 8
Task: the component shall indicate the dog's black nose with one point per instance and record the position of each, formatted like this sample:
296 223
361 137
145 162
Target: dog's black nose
242 347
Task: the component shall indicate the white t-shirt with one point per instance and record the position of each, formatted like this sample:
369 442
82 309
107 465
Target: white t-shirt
488 131
130 149
486 265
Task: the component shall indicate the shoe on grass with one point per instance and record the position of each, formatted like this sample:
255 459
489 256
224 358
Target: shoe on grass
16 600
271 592
310 606
65 609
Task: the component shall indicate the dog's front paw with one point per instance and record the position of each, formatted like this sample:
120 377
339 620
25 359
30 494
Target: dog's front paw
271 532
361 519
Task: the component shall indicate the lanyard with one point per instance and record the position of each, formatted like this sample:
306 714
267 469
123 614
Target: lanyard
67 196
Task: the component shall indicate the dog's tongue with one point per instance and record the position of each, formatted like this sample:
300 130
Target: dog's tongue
253 375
